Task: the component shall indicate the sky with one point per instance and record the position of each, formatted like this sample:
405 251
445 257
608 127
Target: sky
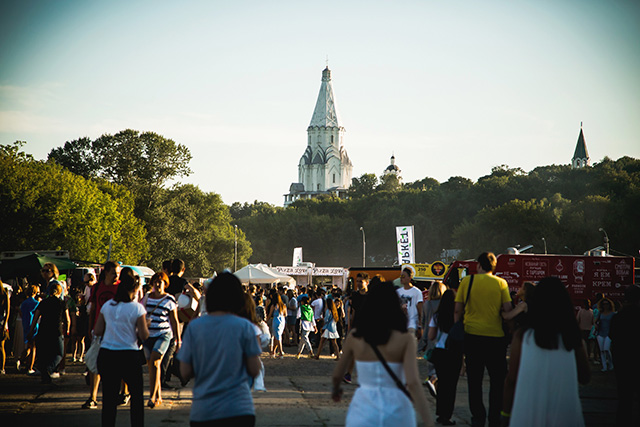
451 88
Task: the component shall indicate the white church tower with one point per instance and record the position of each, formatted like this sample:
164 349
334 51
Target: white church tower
324 167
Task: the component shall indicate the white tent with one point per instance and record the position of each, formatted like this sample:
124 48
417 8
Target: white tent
283 277
260 273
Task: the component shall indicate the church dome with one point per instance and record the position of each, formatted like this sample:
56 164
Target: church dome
392 168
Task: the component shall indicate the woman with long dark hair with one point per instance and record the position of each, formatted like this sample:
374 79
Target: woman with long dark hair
121 323
381 400
548 360
277 314
447 358
330 328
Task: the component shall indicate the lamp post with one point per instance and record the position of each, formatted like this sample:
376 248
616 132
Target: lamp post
235 248
569 249
545 245
364 248
606 239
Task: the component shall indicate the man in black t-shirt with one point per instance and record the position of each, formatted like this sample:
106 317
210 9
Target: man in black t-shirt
176 282
54 317
357 298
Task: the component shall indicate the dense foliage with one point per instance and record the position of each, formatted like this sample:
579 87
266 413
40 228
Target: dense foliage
509 207
116 186
47 207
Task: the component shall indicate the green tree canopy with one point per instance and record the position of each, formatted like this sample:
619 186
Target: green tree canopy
194 226
144 162
48 207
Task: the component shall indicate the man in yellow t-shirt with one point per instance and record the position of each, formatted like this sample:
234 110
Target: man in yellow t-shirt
484 342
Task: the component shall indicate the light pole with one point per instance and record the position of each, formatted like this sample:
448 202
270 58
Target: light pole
364 248
569 249
606 239
235 248
545 245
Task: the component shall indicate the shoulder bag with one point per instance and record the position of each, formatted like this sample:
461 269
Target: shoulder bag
456 333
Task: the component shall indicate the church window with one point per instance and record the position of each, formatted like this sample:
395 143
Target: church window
332 139
318 187
334 175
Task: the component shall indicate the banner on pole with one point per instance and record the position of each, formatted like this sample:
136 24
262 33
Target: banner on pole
297 257
406 252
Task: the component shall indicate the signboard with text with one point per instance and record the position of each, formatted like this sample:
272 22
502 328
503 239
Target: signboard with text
406 250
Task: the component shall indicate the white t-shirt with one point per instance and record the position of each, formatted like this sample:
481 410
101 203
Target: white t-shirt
292 308
317 305
411 297
120 319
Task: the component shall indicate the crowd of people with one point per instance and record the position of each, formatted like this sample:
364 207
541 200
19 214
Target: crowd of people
214 333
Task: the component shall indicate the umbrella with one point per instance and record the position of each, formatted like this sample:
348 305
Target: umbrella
31 264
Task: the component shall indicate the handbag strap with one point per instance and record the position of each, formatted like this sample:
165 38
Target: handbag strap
146 299
393 375
469 291
466 301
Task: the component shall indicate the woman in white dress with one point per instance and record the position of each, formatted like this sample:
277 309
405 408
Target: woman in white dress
379 401
548 360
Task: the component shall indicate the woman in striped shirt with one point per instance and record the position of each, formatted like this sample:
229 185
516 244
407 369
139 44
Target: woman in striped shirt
162 320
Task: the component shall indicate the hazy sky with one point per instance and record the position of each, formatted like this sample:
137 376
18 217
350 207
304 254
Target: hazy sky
451 87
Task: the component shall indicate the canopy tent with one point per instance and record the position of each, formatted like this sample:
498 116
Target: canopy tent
260 273
283 277
31 264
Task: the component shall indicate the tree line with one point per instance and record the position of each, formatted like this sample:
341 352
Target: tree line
114 191
509 207
117 188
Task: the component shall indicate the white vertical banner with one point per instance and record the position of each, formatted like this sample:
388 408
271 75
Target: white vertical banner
406 252
297 257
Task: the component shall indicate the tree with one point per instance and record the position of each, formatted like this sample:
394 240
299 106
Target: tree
78 156
363 186
423 184
239 210
517 222
389 182
48 207
195 226
143 162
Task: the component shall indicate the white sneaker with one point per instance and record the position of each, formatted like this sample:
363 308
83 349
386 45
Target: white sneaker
55 375
31 372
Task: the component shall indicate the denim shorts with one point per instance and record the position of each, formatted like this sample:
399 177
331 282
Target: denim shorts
159 344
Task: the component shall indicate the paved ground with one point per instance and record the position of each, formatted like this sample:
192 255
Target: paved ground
298 395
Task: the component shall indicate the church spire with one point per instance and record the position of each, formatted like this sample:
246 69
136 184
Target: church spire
580 155
325 113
